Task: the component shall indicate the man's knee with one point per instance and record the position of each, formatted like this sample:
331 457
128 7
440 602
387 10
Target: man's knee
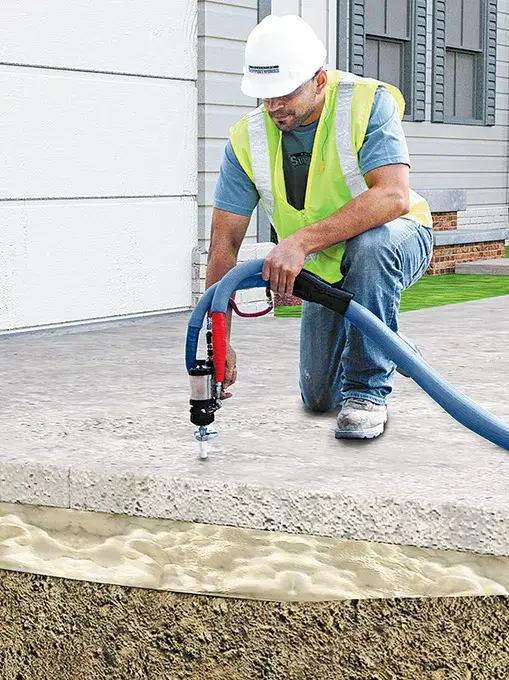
373 248
372 240
317 401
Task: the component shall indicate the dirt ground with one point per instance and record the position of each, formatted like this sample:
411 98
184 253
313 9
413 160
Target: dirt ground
59 629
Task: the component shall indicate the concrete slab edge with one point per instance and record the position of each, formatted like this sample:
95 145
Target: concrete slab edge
487 267
34 484
293 510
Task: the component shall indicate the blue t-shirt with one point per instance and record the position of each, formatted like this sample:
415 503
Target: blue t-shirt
384 144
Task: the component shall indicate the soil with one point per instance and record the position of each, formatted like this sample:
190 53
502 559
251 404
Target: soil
60 629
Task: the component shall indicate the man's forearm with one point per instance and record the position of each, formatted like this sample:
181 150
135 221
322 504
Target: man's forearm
374 207
218 264
226 235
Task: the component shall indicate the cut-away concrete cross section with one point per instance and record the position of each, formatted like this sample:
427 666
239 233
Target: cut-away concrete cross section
98 420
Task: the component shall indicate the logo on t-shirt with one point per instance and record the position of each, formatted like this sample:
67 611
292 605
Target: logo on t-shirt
299 159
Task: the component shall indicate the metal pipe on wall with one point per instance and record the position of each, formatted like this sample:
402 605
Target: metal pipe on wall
342 35
263 224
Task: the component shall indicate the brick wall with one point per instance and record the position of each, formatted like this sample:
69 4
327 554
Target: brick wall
445 221
445 257
484 218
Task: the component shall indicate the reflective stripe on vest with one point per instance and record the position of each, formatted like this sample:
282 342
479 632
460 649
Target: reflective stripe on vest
347 156
260 159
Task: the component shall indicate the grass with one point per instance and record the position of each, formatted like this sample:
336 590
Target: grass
439 290
447 289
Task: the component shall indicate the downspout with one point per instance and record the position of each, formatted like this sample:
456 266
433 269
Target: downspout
342 35
263 224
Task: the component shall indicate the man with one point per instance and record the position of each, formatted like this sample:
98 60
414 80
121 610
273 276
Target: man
327 156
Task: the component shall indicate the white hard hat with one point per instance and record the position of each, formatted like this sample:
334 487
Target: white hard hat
281 54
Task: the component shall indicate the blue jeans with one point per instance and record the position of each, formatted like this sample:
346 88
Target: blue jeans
336 360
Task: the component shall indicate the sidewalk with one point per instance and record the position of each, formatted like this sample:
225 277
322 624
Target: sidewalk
98 420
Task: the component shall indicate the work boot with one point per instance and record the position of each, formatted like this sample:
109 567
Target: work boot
361 419
413 346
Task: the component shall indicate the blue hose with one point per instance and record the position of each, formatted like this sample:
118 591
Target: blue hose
197 318
194 326
249 274
458 405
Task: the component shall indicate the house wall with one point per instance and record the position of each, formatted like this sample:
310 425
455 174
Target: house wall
469 157
98 198
223 28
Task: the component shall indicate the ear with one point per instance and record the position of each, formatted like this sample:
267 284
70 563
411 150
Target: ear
321 81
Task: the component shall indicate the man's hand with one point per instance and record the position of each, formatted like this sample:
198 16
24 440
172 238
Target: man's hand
283 264
230 374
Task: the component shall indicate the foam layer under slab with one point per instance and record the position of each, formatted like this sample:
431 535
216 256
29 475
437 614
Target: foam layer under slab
245 563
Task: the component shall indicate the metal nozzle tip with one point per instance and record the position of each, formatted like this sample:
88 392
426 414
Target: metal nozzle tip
204 435
204 453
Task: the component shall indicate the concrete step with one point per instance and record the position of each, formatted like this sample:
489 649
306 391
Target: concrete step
498 266
459 236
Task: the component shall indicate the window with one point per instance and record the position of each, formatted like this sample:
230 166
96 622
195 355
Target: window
464 61
388 42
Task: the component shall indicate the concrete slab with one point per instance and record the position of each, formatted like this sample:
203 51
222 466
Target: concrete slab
499 266
105 414
34 482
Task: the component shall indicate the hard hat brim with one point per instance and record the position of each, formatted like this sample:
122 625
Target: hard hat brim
268 90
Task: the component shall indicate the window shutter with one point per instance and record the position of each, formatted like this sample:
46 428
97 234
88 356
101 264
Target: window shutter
438 87
491 62
372 55
357 37
419 104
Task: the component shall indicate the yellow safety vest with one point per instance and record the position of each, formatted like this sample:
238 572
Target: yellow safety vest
334 175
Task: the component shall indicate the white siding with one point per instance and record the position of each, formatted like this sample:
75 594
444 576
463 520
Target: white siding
466 156
223 28
74 260
148 37
98 159
95 135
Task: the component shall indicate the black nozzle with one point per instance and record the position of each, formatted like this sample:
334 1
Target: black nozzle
312 288
202 412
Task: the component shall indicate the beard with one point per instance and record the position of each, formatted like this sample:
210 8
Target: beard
291 120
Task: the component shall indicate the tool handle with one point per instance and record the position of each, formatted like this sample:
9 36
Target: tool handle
312 288
307 286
